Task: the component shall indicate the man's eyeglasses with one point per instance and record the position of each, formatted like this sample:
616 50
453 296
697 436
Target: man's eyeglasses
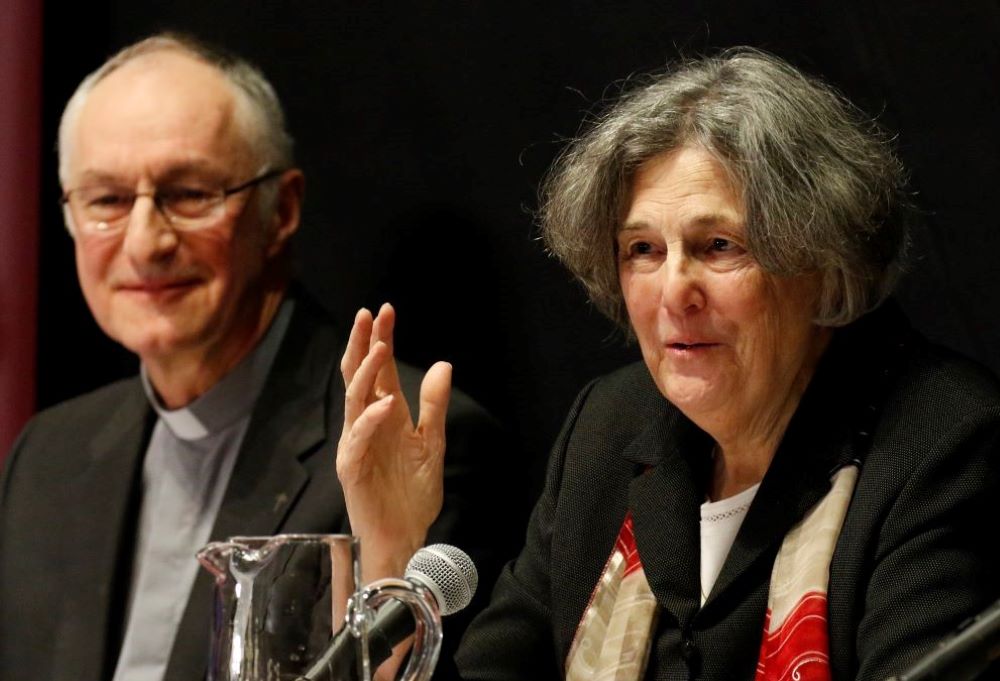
104 209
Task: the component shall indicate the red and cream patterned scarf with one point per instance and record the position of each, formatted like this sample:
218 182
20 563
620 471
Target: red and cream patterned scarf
613 638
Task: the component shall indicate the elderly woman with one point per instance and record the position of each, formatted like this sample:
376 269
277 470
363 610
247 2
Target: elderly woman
792 484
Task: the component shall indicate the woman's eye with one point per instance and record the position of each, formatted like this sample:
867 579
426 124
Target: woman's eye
722 245
640 248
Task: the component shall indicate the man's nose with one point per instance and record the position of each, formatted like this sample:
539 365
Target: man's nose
149 236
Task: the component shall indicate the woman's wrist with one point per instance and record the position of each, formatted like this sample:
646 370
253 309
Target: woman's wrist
386 557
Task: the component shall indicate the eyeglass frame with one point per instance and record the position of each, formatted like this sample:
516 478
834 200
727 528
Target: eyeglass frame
179 222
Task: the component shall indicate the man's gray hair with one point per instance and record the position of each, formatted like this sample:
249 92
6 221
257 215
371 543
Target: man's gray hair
260 110
822 190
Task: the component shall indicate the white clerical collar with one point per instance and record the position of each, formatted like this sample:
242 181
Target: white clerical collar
233 397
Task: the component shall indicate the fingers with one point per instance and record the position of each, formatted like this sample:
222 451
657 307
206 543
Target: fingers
352 459
370 419
357 345
382 332
383 325
435 393
370 376
360 391
365 334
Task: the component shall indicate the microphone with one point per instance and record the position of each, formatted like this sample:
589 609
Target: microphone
445 571
963 655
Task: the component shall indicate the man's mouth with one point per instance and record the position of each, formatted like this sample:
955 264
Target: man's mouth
154 286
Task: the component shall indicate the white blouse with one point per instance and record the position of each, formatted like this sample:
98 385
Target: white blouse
720 521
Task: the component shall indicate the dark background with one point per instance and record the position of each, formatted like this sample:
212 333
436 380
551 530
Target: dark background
424 129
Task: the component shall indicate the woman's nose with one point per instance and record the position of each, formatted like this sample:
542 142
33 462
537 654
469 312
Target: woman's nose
683 288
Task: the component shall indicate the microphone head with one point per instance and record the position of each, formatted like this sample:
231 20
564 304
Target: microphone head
447 572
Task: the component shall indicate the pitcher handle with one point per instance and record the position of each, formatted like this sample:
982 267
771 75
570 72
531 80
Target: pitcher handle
213 557
427 635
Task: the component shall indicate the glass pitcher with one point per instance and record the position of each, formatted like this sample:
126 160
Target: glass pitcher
284 602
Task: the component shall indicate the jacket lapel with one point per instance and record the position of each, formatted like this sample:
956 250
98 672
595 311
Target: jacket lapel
664 502
665 498
95 588
797 480
290 421
820 438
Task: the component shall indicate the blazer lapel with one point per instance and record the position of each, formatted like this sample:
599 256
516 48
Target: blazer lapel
795 483
290 421
95 586
830 429
664 502
665 499
820 438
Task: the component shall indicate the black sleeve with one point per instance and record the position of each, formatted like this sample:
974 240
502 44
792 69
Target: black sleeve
482 511
513 638
935 557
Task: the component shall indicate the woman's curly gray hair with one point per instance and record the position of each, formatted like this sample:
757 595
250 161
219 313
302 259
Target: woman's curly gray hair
821 187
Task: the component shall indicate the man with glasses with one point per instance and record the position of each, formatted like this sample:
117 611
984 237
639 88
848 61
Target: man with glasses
181 196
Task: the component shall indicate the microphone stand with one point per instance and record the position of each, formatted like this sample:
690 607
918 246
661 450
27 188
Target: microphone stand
964 655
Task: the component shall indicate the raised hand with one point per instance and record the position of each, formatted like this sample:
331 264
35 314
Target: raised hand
390 468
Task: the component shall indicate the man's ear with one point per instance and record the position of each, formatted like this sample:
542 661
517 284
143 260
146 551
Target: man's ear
288 210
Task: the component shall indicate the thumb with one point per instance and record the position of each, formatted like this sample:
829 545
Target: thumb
435 393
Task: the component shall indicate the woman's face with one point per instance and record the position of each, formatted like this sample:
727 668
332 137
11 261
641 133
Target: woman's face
730 345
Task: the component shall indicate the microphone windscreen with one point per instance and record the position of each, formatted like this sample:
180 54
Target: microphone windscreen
448 573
